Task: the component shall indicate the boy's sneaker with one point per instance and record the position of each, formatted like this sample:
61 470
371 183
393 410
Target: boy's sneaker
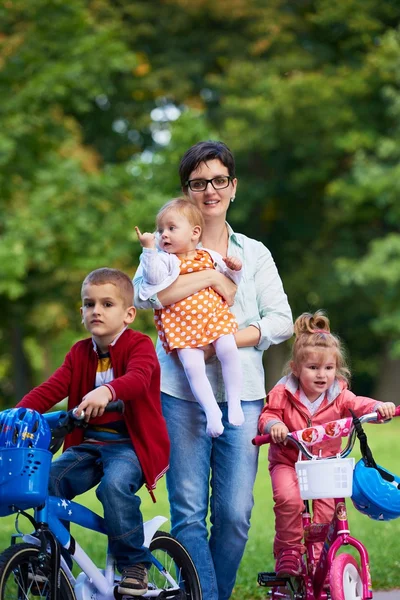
288 563
134 580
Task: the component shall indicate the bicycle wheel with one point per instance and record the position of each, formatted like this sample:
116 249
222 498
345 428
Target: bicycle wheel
180 572
345 579
22 577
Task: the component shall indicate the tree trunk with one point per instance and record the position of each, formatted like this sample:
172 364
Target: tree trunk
275 359
388 384
21 368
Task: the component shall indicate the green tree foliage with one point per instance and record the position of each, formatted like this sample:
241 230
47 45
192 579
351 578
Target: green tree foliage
101 98
64 210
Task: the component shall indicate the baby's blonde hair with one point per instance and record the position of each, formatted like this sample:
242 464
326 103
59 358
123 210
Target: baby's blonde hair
185 208
313 334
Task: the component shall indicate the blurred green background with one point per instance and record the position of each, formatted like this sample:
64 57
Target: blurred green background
99 100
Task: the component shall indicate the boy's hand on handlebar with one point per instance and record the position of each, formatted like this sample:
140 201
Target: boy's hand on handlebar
386 410
94 403
279 433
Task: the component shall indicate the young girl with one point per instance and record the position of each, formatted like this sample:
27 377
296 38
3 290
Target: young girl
200 319
315 391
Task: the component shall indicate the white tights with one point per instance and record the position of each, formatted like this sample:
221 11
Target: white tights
193 363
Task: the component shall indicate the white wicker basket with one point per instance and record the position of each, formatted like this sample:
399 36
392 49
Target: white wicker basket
325 478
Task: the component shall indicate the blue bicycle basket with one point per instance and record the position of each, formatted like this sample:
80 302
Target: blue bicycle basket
376 492
24 459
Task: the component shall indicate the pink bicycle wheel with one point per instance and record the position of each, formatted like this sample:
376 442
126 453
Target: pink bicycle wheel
345 579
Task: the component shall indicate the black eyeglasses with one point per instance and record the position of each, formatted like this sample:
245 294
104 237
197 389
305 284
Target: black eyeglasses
200 185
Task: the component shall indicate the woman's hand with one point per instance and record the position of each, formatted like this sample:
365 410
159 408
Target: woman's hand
224 287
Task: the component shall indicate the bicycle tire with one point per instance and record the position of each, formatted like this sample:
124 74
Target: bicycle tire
345 579
21 576
176 560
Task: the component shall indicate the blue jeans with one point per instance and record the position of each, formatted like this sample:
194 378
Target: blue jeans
116 469
232 461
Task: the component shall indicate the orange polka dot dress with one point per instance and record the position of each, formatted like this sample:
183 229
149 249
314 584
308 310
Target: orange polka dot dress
196 320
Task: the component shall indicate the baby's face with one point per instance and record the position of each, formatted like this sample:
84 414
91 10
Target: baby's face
175 234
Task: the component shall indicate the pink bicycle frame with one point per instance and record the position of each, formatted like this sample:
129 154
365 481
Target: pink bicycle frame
335 535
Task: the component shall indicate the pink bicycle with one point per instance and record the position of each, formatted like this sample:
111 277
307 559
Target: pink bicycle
374 491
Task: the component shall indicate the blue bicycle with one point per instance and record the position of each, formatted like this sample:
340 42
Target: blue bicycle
37 565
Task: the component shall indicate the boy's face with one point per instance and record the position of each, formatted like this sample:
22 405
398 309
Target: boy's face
105 313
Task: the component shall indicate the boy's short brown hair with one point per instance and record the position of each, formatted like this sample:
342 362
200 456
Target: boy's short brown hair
118 278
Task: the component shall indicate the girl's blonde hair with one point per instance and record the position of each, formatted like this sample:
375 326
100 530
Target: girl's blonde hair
313 334
185 208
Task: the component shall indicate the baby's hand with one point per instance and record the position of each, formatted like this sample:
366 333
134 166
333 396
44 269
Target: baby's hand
386 410
95 402
279 432
233 262
147 240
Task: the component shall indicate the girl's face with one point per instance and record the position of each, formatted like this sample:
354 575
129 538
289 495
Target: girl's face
175 233
211 202
316 373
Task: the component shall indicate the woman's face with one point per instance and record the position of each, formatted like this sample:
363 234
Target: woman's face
211 202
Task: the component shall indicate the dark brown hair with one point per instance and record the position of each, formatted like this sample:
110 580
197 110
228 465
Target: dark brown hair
203 152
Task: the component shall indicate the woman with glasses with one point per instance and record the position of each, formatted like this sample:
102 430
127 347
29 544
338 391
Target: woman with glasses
218 473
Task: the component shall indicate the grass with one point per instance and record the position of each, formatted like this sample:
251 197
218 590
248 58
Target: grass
380 538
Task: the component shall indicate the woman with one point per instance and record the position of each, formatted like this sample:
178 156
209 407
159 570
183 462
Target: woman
228 462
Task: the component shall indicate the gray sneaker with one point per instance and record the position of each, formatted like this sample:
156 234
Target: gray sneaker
134 581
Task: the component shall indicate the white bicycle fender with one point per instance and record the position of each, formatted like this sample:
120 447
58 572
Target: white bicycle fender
150 527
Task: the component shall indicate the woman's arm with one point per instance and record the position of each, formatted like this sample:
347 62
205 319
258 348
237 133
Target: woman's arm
249 336
189 284
275 324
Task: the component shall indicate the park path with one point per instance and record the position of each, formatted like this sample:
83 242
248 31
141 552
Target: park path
387 595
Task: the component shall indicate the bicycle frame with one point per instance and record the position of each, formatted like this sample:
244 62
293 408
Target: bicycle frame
335 535
50 527
57 510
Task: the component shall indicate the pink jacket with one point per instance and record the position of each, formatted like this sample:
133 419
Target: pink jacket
283 405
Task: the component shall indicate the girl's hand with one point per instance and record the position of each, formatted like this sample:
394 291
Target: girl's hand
94 403
233 262
224 287
386 410
147 240
279 433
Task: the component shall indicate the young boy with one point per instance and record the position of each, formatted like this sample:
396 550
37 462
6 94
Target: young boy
118 452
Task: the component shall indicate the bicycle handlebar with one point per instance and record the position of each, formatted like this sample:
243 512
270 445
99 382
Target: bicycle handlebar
327 431
62 422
